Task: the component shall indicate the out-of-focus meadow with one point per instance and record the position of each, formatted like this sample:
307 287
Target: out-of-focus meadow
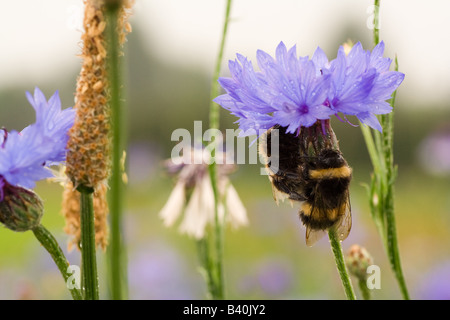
168 66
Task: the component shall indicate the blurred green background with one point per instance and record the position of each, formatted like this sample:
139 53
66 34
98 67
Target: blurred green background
168 65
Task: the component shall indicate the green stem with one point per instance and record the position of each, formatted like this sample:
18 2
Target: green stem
364 290
394 254
214 124
215 87
51 245
390 216
219 292
340 264
371 148
117 268
376 22
386 173
375 189
392 242
89 261
207 268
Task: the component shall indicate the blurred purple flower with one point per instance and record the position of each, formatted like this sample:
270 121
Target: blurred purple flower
295 92
143 159
275 277
272 276
434 152
158 272
17 282
436 284
25 156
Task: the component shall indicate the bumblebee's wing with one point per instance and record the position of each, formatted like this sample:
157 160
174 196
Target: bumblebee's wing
322 216
344 224
313 235
316 215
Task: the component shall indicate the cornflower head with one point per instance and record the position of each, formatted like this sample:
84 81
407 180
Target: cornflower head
194 195
296 92
25 158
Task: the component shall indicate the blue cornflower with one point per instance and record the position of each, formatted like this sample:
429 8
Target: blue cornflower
296 91
361 83
25 156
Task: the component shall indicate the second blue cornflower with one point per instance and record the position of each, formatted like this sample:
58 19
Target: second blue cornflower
295 92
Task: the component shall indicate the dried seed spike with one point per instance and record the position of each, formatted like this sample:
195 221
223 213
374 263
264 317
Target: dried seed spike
91 104
90 135
71 213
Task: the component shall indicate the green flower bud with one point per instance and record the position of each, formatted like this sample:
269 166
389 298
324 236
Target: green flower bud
21 209
358 260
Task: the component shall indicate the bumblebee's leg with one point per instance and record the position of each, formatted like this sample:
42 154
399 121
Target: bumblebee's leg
295 182
297 197
282 186
292 175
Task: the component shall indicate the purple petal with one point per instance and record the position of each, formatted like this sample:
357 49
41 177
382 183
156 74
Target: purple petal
320 60
26 155
370 120
282 56
264 59
297 91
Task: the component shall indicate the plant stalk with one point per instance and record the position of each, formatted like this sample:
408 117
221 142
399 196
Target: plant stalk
365 292
116 265
383 178
214 124
340 264
89 261
51 245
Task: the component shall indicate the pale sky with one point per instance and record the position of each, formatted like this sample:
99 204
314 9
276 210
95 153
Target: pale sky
40 38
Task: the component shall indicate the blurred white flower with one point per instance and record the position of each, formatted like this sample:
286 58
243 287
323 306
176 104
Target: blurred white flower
193 194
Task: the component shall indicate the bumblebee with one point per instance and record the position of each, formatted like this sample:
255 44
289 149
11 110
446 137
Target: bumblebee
318 180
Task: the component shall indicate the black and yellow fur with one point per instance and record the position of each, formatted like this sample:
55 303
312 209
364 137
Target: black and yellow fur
320 183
